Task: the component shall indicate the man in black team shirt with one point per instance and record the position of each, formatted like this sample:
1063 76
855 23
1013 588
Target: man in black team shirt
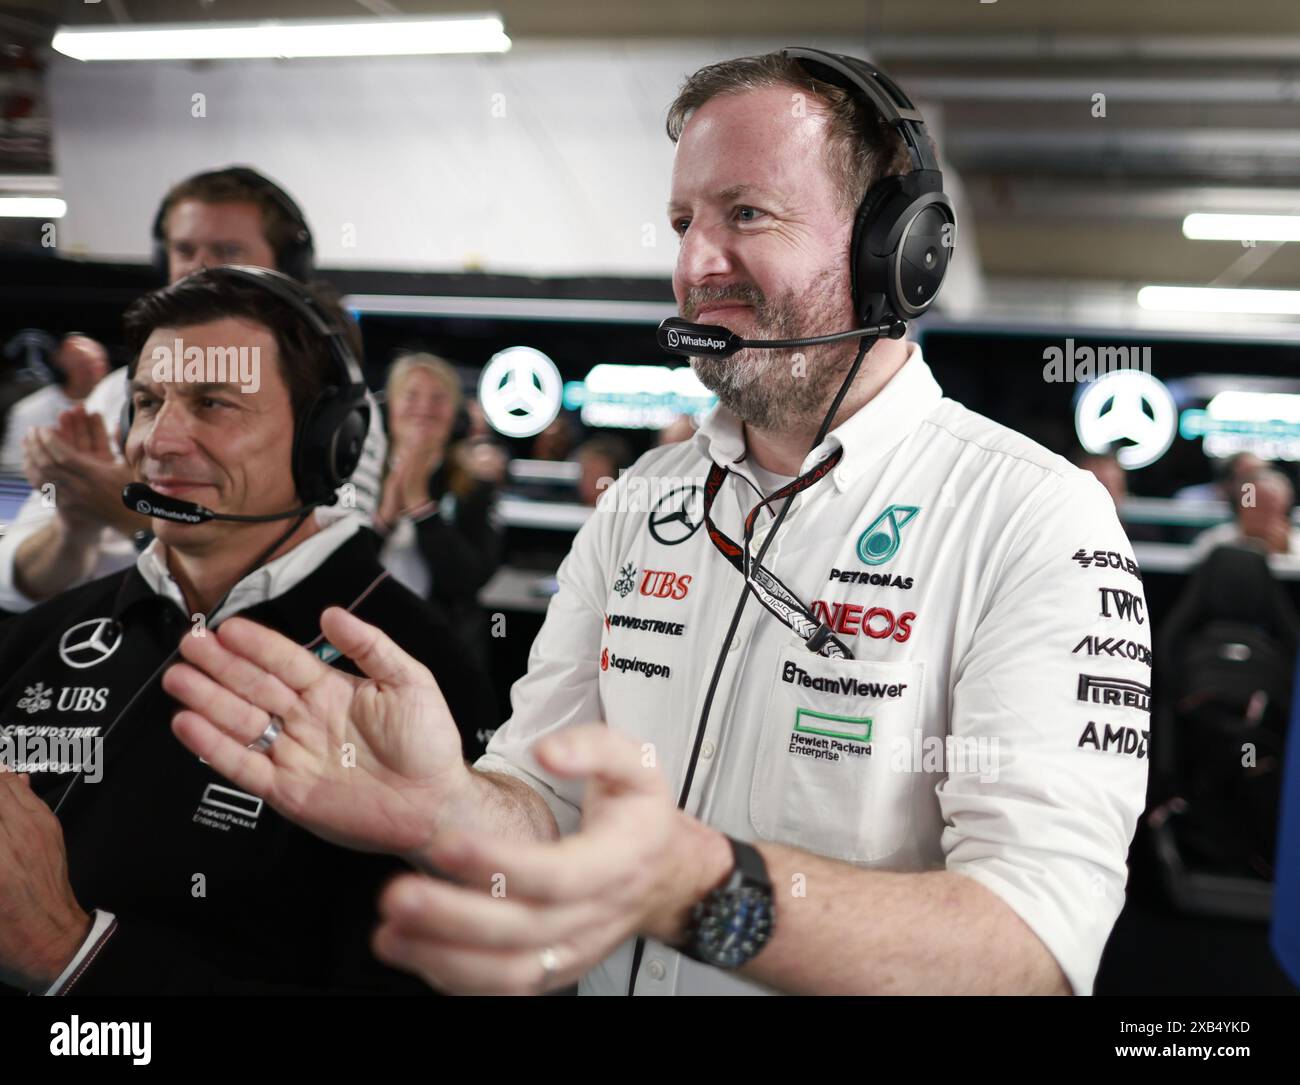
127 865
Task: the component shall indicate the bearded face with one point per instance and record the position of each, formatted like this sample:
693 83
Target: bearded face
780 389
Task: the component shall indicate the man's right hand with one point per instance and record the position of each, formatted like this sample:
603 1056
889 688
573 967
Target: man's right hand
369 764
76 458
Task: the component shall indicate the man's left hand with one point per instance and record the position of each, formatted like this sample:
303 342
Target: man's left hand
41 924
525 918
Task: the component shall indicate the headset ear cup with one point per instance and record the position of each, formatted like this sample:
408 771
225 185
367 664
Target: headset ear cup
297 261
868 275
328 444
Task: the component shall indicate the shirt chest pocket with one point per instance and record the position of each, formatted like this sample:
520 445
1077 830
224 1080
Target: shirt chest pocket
823 779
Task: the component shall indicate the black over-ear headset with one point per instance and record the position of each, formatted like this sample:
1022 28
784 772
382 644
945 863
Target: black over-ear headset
328 438
904 228
295 257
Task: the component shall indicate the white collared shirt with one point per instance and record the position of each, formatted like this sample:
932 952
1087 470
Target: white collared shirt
992 722
267 581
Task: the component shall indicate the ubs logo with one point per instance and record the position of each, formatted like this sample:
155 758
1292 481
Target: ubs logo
677 515
661 584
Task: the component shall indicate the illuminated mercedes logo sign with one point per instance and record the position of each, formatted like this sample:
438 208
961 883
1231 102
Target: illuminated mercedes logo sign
1130 406
520 391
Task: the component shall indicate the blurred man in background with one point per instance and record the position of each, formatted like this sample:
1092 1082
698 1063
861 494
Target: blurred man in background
1261 518
600 460
82 363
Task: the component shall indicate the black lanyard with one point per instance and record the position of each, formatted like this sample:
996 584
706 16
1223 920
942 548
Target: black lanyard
766 586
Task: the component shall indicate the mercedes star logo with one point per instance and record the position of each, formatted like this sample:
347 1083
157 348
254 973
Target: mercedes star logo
678 514
520 391
89 643
1131 406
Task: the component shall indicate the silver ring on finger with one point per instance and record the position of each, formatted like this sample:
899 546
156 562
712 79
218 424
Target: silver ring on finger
267 738
549 959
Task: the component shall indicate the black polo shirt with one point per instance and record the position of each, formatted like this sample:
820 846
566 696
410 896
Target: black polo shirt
212 890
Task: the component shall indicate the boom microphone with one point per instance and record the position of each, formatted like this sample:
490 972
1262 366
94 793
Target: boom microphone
138 497
678 336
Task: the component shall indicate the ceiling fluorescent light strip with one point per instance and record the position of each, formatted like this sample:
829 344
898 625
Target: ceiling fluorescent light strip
286 39
1219 299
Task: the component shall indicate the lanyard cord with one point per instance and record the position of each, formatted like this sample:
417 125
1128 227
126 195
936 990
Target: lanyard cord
767 587
864 345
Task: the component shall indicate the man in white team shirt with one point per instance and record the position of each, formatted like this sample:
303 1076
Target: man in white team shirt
947 811
73 527
83 364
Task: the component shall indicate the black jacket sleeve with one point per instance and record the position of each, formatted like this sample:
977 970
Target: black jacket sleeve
142 956
461 555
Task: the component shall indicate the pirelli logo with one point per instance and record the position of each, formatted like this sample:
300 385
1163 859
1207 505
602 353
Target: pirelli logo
1114 692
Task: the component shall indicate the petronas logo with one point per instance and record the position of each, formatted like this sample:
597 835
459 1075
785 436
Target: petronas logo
880 541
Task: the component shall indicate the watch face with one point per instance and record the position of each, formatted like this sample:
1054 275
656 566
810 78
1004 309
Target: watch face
735 927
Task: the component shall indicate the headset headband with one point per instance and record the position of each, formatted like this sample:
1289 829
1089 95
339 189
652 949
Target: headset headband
850 73
291 292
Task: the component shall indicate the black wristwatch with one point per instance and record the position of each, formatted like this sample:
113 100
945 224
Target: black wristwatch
734 922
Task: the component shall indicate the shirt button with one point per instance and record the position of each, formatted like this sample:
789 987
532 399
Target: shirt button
656 970
706 751
735 643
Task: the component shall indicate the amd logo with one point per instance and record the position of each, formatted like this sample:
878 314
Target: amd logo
1121 740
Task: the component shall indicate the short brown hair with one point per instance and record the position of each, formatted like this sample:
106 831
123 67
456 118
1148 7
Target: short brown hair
861 147
227 186
305 362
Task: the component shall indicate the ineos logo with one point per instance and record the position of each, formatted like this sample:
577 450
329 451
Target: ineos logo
677 515
89 643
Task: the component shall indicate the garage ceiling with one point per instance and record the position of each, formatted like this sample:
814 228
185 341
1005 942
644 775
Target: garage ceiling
1202 107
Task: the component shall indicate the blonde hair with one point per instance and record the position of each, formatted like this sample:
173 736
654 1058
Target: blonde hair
404 365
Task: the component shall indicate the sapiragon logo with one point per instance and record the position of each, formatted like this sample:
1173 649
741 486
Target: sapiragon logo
624 664
880 541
